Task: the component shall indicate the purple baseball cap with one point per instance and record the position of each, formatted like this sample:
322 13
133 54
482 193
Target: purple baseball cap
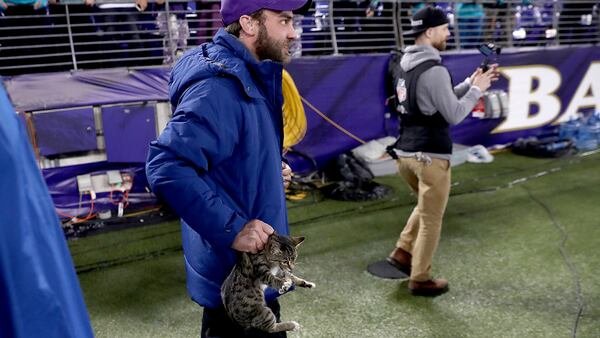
232 10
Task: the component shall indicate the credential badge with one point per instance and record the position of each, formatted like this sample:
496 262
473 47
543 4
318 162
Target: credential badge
401 90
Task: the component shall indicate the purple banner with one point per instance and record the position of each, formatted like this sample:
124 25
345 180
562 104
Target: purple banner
545 87
349 90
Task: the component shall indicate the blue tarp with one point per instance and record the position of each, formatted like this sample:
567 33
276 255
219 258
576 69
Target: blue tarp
39 291
84 88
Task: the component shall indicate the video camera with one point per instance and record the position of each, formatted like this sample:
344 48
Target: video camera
490 52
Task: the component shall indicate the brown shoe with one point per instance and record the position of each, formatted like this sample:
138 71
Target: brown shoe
430 288
401 260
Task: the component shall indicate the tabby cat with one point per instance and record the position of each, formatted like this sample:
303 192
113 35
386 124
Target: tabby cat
243 290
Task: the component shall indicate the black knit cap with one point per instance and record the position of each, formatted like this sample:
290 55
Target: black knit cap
426 18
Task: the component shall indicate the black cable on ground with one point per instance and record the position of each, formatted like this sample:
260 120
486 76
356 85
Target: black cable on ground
370 207
125 260
373 207
567 258
126 241
363 209
568 160
99 226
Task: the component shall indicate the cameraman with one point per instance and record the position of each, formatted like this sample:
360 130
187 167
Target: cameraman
428 105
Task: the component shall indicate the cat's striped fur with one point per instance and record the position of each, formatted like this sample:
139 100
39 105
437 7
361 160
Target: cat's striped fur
243 290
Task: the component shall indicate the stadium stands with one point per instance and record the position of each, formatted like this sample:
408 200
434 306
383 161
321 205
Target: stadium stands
73 35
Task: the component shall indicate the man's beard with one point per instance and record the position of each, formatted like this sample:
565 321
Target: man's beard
269 49
440 45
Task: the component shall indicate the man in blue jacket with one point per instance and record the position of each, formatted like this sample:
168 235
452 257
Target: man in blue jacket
218 163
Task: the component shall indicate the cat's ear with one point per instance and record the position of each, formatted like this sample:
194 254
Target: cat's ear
297 240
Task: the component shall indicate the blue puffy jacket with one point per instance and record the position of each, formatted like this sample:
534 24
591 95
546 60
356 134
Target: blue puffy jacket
39 291
218 162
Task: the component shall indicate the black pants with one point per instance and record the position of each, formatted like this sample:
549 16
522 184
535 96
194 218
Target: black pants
217 324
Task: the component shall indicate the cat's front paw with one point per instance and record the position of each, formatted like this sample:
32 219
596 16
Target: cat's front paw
309 285
286 286
297 326
294 326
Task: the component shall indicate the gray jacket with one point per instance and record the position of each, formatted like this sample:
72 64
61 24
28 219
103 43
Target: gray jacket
433 92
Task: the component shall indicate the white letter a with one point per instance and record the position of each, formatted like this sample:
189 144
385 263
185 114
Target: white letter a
581 99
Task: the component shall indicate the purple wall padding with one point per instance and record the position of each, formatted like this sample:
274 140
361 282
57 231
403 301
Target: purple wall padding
128 131
66 131
572 63
62 184
349 89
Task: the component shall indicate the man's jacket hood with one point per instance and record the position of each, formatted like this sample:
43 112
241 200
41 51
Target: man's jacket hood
227 56
417 54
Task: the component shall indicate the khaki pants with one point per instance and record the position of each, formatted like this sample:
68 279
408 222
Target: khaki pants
420 237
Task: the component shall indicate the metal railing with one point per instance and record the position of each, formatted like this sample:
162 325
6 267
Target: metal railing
72 36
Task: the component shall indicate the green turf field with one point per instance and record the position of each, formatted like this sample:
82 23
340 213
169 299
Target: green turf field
520 247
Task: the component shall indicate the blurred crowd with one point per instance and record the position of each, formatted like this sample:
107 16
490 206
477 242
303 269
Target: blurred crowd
104 34
113 33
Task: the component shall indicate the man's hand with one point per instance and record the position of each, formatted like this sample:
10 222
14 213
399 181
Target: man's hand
253 237
495 72
3 5
480 71
286 172
484 80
